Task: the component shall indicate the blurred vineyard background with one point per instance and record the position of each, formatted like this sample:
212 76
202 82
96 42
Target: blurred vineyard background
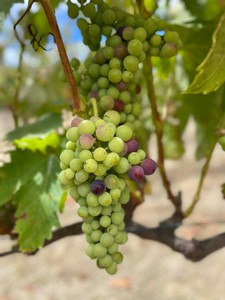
62 271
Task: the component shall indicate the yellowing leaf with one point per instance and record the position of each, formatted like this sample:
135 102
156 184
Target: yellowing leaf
211 72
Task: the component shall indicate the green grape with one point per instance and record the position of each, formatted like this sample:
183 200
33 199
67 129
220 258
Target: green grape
115 75
150 26
73 9
112 229
74 193
88 239
83 25
113 92
112 269
102 83
136 109
99 250
130 21
68 173
94 71
115 63
92 200
128 108
89 10
131 63
86 228
105 199
134 158
105 133
106 210
127 76
115 194
154 51
82 212
106 103
86 126
105 261
95 235
89 251
116 145
106 240
84 155
105 221
95 211
123 166
71 146
156 40
76 164
84 189
124 132
135 47
140 34
125 96
117 257
94 31
62 179
95 224
107 30
108 16
111 181
168 50
62 166
128 33
111 160
112 116
125 196
104 69
142 154
113 249
171 37
99 154
81 176
75 63
117 207
82 202
99 57
66 156
90 165
108 52
72 134
117 217
101 170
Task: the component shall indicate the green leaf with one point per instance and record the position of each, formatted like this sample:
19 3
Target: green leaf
5 5
211 71
37 206
41 127
38 144
222 142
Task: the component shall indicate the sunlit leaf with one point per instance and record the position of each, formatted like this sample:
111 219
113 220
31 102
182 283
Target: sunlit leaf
211 73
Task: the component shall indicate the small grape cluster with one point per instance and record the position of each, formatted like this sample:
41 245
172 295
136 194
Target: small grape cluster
100 156
112 74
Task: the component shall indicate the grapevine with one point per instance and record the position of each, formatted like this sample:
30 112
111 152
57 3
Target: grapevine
102 155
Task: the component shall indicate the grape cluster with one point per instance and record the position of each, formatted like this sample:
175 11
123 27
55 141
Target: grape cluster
112 74
100 156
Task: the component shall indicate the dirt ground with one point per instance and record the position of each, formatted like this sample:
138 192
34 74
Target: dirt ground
150 271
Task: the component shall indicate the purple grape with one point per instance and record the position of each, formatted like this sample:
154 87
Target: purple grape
136 173
132 145
120 51
98 187
76 121
121 86
118 105
138 89
120 31
149 166
86 141
124 151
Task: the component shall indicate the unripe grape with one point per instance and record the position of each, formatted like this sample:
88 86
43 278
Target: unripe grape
99 250
105 221
105 132
106 240
124 132
105 261
90 165
131 63
86 141
105 199
168 50
86 126
66 156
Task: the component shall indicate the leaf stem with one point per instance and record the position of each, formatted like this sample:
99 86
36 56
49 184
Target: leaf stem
204 170
158 129
94 106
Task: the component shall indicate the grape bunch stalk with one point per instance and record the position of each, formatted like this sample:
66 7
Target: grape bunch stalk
102 155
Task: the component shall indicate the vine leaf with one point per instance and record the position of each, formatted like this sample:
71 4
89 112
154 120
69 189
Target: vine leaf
5 5
45 124
211 73
37 206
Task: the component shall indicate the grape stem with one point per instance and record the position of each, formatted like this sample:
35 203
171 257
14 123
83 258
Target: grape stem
49 12
159 134
94 106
